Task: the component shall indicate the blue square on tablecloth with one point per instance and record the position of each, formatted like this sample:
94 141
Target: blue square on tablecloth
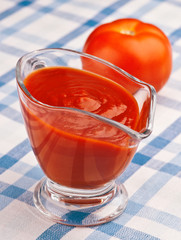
5 78
7 89
91 23
98 235
12 114
13 192
21 167
2 106
35 173
20 150
130 170
2 170
27 197
161 217
149 151
133 234
24 3
3 186
76 217
155 164
7 161
110 228
123 219
140 159
159 142
25 182
133 208
54 232
15 94
5 201
171 168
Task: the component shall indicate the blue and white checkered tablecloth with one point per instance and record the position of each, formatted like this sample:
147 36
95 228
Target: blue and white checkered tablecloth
153 179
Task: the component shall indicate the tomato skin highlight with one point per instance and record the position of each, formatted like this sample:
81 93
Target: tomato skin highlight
139 48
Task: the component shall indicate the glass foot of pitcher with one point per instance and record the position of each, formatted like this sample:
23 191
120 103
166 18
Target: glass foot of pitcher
75 207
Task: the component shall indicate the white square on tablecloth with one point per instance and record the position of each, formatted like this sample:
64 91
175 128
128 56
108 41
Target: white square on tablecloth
164 156
162 119
16 17
12 134
50 27
168 199
177 75
131 7
135 181
157 15
27 45
8 61
21 220
78 233
178 139
153 228
30 159
9 177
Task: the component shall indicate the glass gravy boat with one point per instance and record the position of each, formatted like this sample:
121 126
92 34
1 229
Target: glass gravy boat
81 167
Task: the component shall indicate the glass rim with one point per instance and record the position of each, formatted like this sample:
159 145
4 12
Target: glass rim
131 132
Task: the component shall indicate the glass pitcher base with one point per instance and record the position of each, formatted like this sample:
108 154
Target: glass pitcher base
83 209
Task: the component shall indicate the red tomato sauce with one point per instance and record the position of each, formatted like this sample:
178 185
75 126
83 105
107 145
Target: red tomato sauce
73 148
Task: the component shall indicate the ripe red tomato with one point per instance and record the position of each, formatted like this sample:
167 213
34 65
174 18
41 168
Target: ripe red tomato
139 48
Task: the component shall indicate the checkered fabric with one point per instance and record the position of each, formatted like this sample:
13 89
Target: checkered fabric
153 179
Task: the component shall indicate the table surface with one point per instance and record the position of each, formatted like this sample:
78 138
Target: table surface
153 179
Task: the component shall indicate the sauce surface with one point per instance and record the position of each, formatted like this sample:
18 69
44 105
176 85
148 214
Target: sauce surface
68 87
74 149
